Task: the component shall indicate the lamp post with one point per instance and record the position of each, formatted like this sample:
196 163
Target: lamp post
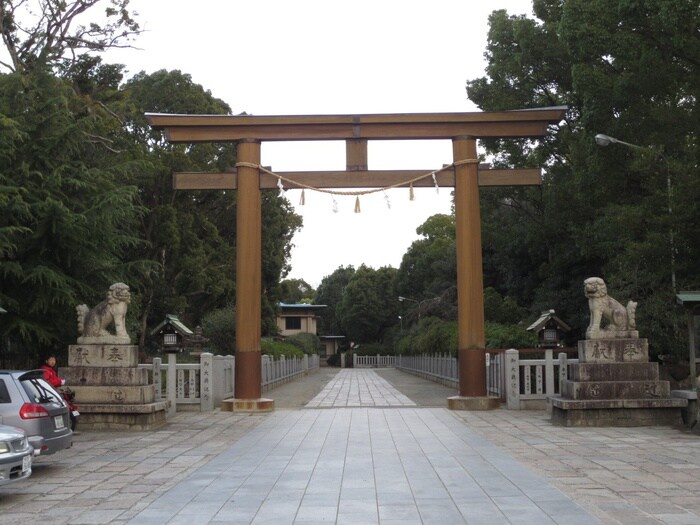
419 303
606 140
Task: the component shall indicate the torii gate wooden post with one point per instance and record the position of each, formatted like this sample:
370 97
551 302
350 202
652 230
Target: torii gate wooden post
465 175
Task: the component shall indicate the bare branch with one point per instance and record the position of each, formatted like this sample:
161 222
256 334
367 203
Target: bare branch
42 33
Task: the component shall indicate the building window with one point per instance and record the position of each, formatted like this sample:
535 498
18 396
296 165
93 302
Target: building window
170 339
292 323
550 334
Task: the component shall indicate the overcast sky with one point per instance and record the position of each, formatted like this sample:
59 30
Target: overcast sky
304 57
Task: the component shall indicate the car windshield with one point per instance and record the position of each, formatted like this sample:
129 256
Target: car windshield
39 391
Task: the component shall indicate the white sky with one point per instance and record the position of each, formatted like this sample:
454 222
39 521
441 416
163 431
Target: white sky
283 57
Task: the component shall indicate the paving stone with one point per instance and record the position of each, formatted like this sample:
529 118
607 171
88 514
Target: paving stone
378 447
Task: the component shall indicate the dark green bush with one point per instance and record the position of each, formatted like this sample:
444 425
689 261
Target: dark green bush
276 349
435 336
309 343
219 327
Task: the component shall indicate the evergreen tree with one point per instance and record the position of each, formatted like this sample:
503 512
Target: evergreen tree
627 69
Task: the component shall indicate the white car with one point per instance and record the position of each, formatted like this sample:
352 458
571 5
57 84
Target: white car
15 455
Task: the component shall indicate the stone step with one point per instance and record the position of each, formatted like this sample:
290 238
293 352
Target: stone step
141 417
616 412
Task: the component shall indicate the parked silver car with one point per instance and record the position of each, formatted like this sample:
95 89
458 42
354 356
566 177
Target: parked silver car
15 455
27 401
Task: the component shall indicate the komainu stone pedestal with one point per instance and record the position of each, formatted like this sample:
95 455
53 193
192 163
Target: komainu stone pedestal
111 391
614 384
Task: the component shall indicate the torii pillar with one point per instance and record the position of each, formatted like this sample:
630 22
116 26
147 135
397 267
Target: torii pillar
466 177
471 335
247 387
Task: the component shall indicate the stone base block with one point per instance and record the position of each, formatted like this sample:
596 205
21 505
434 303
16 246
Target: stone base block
473 403
248 405
596 390
614 372
114 395
136 418
613 351
100 355
689 413
616 412
88 376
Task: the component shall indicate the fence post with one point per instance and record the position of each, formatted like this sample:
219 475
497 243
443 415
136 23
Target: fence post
156 378
206 380
549 372
513 375
171 385
563 371
306 364
265 369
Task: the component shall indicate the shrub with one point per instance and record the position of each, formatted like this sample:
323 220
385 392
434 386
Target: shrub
309 343
435 336
276 349
219 327
509 336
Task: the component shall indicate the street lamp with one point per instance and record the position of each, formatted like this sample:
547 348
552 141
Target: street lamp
606 140
419 303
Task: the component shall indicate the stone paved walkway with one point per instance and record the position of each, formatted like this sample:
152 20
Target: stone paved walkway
359 388
367 464
363 466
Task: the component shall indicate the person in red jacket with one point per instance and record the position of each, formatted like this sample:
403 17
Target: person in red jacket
50 374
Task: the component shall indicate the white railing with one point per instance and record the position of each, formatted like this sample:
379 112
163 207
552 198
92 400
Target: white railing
373 361
532 381
439 368
521 383
198 386
495 374
204 385
278 371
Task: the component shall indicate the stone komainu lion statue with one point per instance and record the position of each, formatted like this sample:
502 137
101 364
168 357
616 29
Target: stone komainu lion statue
619 320
93 323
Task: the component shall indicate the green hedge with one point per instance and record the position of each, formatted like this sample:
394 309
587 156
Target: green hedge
435 336
275 349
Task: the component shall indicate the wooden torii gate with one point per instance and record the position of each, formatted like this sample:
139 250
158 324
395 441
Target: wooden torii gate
463 129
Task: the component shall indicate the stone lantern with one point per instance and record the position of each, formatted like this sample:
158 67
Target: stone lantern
172 333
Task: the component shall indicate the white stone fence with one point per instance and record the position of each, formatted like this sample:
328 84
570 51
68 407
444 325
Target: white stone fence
278 371
520 383
531 381
373 361
204 385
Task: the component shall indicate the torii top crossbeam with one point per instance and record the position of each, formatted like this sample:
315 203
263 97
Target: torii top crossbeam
410 126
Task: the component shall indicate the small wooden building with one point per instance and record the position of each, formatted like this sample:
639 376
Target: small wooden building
173 334
550 330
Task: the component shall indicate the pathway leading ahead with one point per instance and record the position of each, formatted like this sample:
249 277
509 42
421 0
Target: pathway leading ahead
409 464
357 465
